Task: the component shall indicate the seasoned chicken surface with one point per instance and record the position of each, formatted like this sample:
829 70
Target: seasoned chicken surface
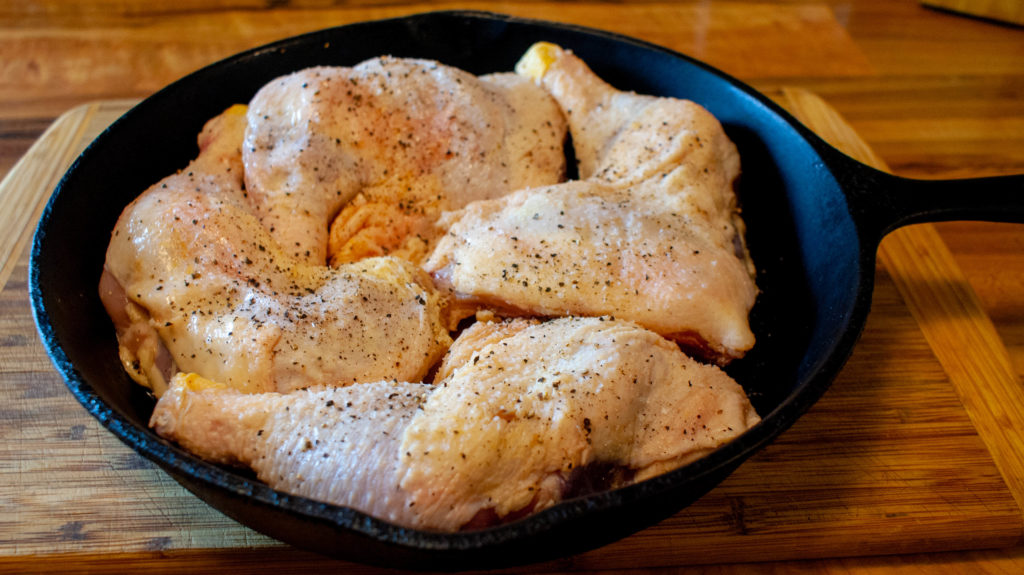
402 140
290 296
522 423
585 248
651 233
625 138
515 428
195 283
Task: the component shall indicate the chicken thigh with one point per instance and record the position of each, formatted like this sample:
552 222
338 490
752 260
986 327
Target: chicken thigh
585 248
541 412
195 283
393 141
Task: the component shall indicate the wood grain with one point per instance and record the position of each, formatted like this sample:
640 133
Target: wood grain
20 195
950 315
934 94
888 462
145 46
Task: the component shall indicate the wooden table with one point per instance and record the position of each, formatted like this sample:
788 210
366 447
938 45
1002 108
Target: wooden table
917 448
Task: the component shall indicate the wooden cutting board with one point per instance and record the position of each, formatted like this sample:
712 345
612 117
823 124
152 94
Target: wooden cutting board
909 451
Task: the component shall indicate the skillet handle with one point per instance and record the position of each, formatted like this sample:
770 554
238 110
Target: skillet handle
885 202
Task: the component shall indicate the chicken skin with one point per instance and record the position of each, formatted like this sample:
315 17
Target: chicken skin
194 282
584 248
524 414
290 296
333 444
650 233
550 407
356 162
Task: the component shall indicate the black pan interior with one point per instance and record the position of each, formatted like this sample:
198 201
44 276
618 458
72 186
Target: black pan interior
814 273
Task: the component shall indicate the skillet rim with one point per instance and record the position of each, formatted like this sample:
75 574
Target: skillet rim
176 461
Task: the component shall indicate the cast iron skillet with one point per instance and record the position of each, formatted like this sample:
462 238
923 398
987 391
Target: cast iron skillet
815 218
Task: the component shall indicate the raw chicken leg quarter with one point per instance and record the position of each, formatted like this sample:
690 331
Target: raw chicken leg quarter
651 232
515 426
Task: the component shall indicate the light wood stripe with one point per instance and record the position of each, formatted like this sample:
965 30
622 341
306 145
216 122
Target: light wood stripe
26 188
949 313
